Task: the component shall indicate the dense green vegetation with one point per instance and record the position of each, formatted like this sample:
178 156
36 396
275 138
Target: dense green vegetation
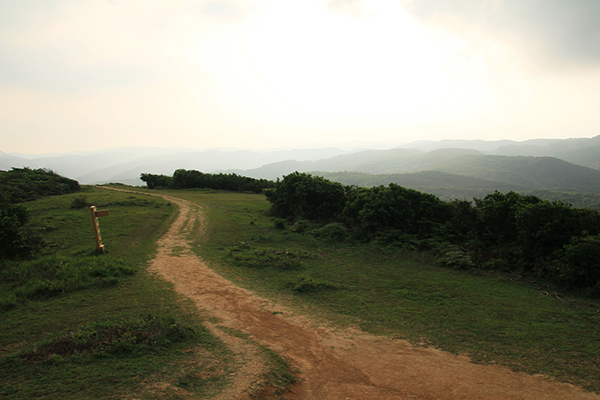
24 184
449 187
385 288
17 238
507 232
77 324
183 179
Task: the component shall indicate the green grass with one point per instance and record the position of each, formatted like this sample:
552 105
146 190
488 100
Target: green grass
76 324
56 275
125 232
404 294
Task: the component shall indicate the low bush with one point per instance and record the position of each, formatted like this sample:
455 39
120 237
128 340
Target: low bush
25 184
456 259
53 275
80 202
267 258
305 284
280 223
578 264
102 339
17 238
335 231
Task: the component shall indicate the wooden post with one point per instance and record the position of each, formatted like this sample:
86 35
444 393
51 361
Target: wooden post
95 215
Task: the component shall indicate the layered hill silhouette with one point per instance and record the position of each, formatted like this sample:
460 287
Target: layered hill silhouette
557 169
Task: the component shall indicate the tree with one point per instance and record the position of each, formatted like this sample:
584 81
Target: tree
301 195
394 207
156 181
16 239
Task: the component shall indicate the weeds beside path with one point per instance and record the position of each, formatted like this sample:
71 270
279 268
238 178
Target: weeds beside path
331 363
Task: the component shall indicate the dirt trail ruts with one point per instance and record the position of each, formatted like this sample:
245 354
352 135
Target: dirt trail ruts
334 364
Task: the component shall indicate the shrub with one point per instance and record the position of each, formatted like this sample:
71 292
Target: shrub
121 338
395 208
54 275
303 225
305 284
17 240
263 258
80 202
25 184
577 265
334 232
301 195
457 259
279 223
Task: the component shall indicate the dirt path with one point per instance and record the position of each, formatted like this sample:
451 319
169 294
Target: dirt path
333 364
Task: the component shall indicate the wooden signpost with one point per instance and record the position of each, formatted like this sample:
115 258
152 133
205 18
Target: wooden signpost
95 216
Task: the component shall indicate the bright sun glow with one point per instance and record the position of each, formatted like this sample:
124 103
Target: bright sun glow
303 63
341 64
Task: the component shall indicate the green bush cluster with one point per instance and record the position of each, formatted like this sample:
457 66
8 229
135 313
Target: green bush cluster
307 284
191 179
305 196
136 336
17 238
25 184
53 275
80 202
246 256
506 232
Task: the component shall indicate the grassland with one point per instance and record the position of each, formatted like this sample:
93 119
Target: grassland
494 318
77 325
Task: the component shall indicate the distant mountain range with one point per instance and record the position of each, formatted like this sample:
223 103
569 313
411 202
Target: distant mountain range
447 168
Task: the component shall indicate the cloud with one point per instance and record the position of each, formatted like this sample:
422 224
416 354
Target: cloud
553 32
46 72
352 7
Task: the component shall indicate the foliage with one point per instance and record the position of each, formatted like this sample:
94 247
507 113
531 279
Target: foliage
457 259
80 202
25 184
334 231
497 217
402 210
157 181
305 284
56 275
524 233
301 195
506 231
191 179
280 259
17 239
119 338
577 264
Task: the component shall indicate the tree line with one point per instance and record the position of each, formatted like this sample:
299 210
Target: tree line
508 232
191 179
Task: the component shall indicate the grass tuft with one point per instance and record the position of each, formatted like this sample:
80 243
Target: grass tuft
55 275
102 339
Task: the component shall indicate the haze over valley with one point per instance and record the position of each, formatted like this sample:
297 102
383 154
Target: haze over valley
555 169
445 97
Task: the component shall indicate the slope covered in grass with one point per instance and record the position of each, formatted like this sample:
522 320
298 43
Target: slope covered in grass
76 324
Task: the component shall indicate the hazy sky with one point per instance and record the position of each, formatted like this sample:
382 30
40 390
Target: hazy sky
92 74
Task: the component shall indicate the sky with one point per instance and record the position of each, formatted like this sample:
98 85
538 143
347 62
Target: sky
80 75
